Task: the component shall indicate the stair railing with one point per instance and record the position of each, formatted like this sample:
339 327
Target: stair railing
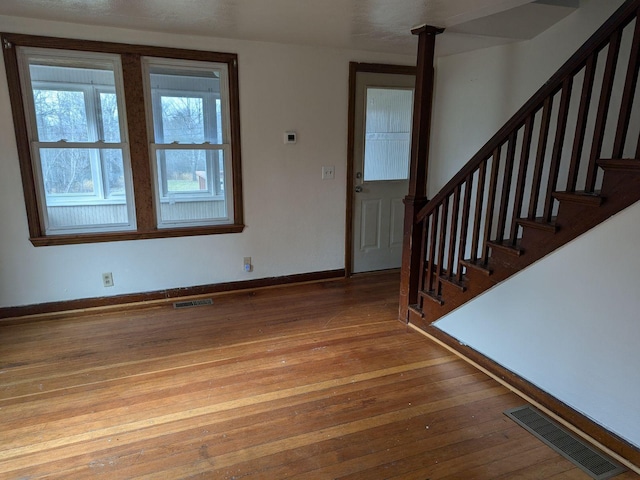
513 178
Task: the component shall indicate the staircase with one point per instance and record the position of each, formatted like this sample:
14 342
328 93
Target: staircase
565 162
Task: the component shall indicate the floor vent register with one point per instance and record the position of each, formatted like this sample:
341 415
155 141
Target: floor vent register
193 303
595 464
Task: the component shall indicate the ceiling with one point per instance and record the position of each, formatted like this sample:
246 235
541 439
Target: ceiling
375 25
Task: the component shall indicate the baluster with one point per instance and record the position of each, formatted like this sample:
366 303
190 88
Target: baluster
542 149
423 260
432 248
453 233
561 129
464 227
442 241
506 185
628 94
490 204
477 215
522 176
581 122
603 110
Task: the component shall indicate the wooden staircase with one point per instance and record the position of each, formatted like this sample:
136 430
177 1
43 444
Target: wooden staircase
577 213
565 162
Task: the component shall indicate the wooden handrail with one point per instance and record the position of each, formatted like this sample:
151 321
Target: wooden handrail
599 40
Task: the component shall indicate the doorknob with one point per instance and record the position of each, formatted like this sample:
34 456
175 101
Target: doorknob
358 188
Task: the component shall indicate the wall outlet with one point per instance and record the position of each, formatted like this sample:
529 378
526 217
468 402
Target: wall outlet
247 264
107 279
328 173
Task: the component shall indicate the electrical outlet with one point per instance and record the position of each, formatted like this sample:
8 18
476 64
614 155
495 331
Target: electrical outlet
247 264
328 173
107 279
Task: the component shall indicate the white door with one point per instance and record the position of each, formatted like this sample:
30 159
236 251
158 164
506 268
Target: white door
383 117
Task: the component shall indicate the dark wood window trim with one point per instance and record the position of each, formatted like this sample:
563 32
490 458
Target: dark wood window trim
131 56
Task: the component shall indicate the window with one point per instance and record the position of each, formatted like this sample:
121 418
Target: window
120 142
190 149
80 159
387 146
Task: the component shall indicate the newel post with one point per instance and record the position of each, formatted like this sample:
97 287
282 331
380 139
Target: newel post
416 198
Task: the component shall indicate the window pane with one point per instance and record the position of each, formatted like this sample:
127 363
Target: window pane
185 170
67 171
110 122
72 174
72 196
186 104
182 119
114 173
64 102
388 134
61 115
189 180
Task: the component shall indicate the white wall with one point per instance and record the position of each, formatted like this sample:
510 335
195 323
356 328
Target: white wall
569 324
295 221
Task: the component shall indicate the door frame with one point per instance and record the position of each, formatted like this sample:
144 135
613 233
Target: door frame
354 69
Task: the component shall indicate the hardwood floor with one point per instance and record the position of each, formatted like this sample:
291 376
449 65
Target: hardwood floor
316 381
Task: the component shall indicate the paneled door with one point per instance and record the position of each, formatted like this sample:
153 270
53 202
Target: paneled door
382 145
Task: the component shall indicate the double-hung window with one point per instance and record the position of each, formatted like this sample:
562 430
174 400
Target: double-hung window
78 140
123 142
191 149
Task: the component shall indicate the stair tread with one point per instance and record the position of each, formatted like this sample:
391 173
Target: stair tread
507 246
417 310
454 281
585 198
539 223
432 296
626 164
476 265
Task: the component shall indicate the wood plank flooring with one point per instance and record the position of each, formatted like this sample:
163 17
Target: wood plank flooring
316 381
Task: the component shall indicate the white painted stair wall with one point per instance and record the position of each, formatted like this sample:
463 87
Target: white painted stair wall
570 324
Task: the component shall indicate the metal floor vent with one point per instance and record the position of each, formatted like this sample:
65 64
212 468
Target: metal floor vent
193 303
595 464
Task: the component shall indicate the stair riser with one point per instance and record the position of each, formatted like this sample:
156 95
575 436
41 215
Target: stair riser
477 282
621 183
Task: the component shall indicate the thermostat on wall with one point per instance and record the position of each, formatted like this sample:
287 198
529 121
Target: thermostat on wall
290 137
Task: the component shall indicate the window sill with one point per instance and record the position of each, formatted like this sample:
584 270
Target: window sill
192 198
61 201
74 239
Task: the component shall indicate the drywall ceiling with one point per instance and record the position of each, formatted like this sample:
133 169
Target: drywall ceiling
376 25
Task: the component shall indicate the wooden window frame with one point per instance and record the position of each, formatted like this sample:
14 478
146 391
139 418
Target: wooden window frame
139 142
